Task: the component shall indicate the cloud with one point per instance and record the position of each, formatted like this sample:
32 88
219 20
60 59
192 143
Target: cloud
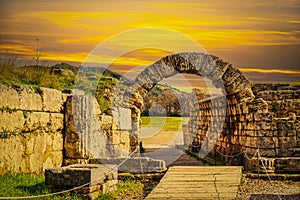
68 31
292 21
268 71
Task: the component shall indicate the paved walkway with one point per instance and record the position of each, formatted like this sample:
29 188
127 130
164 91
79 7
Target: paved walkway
186 160
198 182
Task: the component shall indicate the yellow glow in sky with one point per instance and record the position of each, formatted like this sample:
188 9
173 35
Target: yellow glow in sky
69 30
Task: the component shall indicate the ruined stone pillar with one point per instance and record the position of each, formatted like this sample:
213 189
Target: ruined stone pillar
84 138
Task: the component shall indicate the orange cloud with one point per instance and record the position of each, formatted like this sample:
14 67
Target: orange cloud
69 34
280 71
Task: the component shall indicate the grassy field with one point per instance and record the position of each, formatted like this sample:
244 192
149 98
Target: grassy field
22 185
167 123
156 132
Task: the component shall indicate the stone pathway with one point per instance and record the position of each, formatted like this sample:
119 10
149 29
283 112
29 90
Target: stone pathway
186 160
172 156
198 182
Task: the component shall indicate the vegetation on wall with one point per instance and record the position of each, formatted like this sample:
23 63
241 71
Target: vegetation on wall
40 76
96 81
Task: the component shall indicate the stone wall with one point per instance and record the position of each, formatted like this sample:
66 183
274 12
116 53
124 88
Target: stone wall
31 125
248 127
43 128
282 99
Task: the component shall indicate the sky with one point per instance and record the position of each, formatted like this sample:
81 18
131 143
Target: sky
260 37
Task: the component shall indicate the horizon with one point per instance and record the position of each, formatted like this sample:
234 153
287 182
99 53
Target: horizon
260 38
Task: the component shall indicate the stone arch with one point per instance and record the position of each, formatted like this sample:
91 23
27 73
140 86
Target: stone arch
222 74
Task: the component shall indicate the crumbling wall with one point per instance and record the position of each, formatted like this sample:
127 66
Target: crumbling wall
282 99
90 134
43 128
249 127
31 125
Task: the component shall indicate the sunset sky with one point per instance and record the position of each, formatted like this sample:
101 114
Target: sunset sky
260 37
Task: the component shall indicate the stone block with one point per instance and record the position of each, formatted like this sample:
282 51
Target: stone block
11 122
265 133
266 142
258 105
9 97
249 117
92 180
134 164
29 98
252 133
250 126
11 155
80 174
52 100
122 117
36 157
270 153
56 122
30 153
287 165
52 160
106 121
37 120
286 142
268 117
57 141
244 108
230 75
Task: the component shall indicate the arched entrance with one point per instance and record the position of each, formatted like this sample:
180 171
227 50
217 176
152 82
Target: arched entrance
222 74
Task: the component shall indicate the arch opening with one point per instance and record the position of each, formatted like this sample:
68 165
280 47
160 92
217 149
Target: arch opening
229 81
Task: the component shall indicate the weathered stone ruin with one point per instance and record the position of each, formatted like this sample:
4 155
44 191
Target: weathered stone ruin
253 125
242 127
31 129
45 128
89 181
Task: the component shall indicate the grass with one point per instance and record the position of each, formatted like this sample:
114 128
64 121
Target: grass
22 185
36 76
42 76
168 123
128 189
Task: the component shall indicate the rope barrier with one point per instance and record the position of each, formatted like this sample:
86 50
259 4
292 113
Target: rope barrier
256 155
230 156
247 157
75 188
267 174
